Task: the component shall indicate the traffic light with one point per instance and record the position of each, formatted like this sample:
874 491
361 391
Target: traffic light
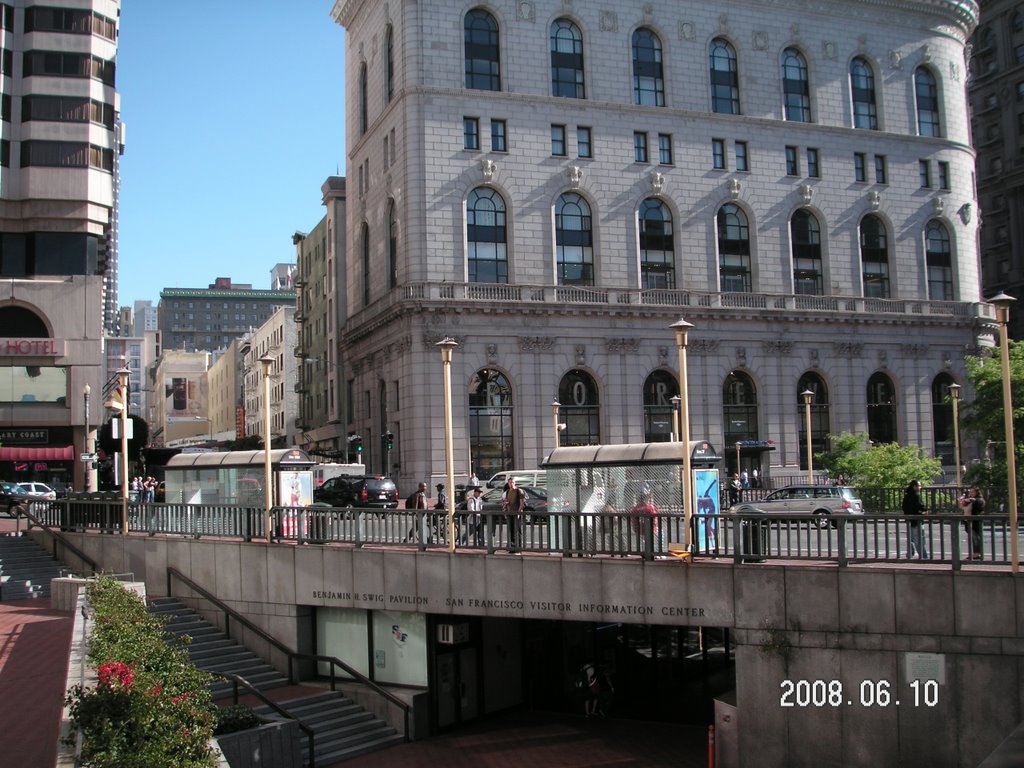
389 440
357 443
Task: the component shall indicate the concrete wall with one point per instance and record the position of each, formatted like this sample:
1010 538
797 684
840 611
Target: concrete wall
866 629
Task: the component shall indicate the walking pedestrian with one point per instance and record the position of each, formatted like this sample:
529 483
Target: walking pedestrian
973 506
913 507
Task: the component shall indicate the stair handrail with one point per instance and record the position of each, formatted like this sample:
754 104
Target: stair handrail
23 510
230 613
237 680
361 678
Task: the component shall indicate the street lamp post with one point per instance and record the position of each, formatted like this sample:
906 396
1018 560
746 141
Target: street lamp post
122 382
555 406
1002 304
954 394
675 400
738 467
86 393
808 398
268 492
682 329
446 345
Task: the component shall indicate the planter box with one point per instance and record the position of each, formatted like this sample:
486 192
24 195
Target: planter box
274 745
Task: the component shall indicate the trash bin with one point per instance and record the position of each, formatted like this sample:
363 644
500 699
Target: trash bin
754 538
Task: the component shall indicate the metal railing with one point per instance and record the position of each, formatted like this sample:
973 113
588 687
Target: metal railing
840 538
28 511
292 655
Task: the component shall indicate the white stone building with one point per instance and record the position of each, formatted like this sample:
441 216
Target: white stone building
553 185
275 339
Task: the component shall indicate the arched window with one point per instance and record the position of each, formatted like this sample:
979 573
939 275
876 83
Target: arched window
486 236
942 419
574 241
364 113
725 84
806 234
795 86
491 444
648 76
881 409
483 61
862 87
657 245
659 389
739 398
389 63
567 60
580 409
365 243
392 245
734 250
874 257
819 415
926 92
940 262
28 385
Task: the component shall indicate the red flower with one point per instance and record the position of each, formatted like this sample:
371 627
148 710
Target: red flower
116 674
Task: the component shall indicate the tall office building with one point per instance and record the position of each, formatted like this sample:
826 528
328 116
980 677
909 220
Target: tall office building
59 143
553 186
997 117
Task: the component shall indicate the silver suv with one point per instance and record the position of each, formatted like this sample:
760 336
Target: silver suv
821 500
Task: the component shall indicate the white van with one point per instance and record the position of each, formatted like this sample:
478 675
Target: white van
522 476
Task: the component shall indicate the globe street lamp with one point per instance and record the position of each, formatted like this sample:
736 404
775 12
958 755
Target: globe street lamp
446 345
122 382
682 329
675 400
86 393
808 397
1002 304
738 469
954 394
268 493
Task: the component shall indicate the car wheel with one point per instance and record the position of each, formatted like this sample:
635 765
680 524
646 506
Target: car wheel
822 518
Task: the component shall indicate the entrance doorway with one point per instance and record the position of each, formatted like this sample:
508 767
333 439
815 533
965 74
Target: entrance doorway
457 682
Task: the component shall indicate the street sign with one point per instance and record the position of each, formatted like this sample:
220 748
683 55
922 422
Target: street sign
88 458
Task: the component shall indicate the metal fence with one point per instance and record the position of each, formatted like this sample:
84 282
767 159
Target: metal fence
740 538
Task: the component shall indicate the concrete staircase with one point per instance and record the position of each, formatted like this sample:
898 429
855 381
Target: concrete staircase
26 569
342 729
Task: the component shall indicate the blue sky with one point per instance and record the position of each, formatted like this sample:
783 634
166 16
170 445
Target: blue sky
235 117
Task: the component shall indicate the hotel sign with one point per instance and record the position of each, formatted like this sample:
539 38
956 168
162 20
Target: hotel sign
32 347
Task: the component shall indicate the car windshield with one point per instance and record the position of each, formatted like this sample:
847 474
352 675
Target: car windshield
537 493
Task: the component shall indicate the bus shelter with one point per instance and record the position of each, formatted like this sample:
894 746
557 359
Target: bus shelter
237 477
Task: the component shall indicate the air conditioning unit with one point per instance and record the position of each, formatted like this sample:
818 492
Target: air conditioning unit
452 634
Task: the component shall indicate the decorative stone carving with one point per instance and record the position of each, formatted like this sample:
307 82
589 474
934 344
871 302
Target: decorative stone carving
954 71
874 200
778 346
536 343
938 205
663 356
575 175
760 40
848 348
492 353
703 346
806 192
883 358
648 11
487 167
794 33
581 355
525 11
895 60
734 188
814 358
657 182
430 340
741 355
622 345
723 23
828 50
914 350
965 213
687 31
926 52
609 21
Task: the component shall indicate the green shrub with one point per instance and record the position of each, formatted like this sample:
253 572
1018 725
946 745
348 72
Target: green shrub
237 717
150 706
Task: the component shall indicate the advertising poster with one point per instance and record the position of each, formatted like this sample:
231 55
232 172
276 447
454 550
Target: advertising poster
185 397
705 489
294 488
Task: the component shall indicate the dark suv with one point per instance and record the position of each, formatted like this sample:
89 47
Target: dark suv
359 492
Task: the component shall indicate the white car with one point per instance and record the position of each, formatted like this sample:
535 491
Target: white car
38 490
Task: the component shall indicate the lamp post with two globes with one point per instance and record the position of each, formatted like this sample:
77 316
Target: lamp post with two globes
447 345
808 398
954 395
1002 303
268 492
682 329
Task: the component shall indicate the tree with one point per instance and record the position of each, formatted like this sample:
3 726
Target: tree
982 416
888 465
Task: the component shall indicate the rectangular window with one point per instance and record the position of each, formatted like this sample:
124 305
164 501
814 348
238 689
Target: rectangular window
65 154
56 64
498 142
792 162
665 148
860 171
943 174
880 174
558 140
813 170
742 158
584 146
924 172
387 158
470 133
639 146
718 154
8 16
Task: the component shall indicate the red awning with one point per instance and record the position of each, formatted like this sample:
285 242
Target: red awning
25 453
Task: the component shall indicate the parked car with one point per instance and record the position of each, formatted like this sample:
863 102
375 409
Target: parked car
821 500
11 495
38 490
536 501
531 477
360 492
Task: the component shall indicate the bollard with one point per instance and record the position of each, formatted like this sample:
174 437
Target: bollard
711 746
